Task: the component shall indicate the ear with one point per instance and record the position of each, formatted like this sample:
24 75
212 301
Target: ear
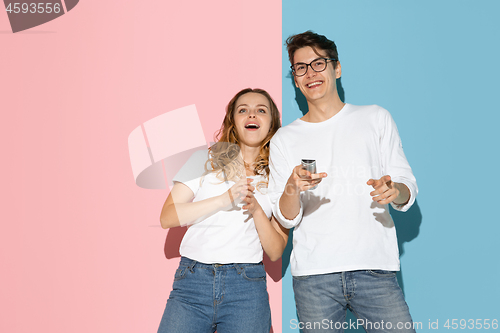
295 80
338 70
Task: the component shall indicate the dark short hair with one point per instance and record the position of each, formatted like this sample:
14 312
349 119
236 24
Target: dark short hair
312 39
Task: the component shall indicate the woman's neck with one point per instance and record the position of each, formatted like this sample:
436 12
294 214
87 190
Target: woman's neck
249 155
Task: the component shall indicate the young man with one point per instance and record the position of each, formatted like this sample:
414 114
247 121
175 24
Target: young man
345 251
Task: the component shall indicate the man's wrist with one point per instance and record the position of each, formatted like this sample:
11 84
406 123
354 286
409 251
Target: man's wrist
289 206
291 190
400 204
404 194
289 218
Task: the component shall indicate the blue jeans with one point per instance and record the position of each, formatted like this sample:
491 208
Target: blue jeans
207 297
373 296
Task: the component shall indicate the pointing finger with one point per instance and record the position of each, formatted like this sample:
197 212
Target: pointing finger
386 178
388 200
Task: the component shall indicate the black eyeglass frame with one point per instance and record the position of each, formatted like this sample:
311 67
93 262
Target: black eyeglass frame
309 65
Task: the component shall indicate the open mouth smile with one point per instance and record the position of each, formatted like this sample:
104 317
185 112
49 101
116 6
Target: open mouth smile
252 126
314 84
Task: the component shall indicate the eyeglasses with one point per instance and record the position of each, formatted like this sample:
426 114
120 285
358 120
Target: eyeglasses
317 65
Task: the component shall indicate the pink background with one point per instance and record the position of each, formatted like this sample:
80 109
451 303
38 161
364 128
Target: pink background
81 249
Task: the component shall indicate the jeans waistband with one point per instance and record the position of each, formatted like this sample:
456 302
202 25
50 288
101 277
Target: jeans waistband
190 263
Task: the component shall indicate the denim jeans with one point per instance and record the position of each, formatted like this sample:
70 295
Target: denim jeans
373 296
207 297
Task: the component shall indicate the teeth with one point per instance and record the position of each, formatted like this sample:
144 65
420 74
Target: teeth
314 84
252 126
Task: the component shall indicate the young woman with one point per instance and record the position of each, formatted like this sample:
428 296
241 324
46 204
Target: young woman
221 282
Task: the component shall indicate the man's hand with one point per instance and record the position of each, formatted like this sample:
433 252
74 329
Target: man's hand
386 191
302 180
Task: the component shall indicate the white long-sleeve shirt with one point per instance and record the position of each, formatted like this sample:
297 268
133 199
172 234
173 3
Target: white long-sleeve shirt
339 226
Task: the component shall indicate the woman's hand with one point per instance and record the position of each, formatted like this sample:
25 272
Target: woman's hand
251 204
235 194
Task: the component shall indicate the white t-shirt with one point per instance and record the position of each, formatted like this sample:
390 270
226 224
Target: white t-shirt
226 236
339 227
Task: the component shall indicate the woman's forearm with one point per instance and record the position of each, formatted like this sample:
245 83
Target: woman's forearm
272 241
180 214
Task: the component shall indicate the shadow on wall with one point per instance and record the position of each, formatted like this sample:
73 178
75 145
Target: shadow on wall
173 243
407 229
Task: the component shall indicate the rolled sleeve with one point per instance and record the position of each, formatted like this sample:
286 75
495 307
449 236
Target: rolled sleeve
394 162
283 220
412 186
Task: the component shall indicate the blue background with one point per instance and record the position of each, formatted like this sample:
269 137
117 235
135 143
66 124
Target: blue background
435 66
